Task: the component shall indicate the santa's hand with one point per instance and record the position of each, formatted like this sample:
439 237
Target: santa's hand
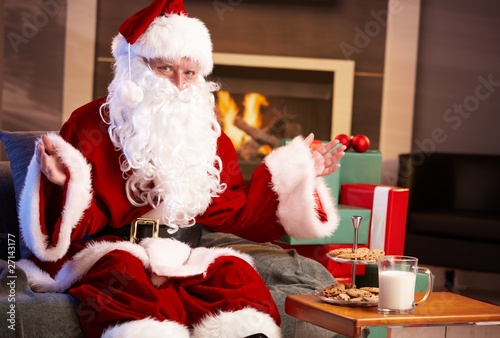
325 159
50 162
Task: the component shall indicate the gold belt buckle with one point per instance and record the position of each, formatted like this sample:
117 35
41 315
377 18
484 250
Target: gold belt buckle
142 221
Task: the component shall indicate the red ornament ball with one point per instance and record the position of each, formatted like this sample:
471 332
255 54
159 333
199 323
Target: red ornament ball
360 143
344 139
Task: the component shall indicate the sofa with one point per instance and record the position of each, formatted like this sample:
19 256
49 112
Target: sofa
32 314
454 209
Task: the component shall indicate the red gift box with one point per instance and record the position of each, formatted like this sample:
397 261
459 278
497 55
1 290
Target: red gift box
389 207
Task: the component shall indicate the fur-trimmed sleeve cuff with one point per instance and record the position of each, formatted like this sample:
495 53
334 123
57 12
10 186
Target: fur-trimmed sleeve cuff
294 181
77 198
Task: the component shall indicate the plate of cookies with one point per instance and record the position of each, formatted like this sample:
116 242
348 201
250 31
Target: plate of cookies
360 256
348 295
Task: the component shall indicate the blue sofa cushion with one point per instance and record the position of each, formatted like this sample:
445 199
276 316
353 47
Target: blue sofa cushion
20 146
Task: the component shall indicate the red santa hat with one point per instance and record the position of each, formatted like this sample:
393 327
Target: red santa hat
164 30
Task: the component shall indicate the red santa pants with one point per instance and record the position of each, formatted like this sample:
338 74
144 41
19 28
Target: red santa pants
118 288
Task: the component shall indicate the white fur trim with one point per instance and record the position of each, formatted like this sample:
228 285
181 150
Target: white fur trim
147 327
239 323
78 266
78 198
197 262
165 254
294 180
171 37
38 280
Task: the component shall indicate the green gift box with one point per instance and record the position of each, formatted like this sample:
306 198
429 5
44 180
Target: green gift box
356 168
361 167
333 182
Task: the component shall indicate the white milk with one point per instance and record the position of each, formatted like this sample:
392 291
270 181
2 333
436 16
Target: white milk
397 290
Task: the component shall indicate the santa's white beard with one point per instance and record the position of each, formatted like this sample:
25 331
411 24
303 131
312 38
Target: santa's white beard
169 142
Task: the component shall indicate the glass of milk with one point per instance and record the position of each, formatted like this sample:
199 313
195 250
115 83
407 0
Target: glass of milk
397 276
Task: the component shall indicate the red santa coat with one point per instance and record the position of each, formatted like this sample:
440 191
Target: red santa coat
284 197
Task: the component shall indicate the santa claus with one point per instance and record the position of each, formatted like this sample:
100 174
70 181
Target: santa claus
152 152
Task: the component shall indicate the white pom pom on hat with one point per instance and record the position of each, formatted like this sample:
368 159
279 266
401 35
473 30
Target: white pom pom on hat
164 30
131 94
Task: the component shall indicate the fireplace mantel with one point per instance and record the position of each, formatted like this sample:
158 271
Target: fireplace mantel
342 87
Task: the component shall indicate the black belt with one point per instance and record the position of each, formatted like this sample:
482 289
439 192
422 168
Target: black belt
145 227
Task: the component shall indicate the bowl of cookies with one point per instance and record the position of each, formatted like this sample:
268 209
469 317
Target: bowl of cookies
348 295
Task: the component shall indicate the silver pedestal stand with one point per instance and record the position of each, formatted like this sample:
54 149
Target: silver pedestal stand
356 222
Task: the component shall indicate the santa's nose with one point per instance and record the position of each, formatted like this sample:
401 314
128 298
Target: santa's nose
178 79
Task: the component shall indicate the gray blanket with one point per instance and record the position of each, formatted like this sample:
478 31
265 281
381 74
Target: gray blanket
30 314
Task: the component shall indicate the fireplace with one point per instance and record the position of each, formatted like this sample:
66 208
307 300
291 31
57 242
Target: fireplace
265 99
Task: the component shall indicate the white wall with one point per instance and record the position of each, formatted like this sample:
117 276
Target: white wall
400 71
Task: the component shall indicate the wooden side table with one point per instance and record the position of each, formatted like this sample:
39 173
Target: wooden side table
442 308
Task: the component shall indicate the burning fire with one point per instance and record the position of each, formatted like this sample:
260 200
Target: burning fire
231 120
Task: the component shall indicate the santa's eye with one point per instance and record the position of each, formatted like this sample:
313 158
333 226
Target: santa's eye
165 68
190 73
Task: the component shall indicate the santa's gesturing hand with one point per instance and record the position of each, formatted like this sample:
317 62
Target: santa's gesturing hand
325 159
49 161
